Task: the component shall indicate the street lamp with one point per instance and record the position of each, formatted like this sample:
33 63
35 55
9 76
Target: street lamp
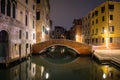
48 29
76 37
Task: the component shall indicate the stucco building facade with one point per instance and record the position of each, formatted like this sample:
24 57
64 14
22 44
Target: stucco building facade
105 25
76 30
17 29
43 22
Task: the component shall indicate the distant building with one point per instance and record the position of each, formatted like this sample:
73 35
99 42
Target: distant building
75 31
105 25
67 34
43 22
58 33
17 29
86 26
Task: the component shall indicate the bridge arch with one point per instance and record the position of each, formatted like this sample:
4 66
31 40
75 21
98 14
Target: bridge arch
60 45
76 46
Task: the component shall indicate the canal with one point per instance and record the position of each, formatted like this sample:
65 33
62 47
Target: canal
59 63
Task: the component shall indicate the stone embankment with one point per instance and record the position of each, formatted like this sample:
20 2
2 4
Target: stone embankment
110 55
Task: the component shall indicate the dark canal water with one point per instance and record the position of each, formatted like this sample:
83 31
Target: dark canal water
60 63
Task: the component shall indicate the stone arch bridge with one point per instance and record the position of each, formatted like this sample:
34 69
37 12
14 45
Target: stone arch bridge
80 48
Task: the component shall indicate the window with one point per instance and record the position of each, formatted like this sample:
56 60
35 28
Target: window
33 24
8 8
26 21
43 29
93 32
20 49
38 1
33 7
14 11
26 1
92 40
111 40
96 31
103 18
102 40
33 35
92 15
96 13
26 35
96 40
103 9
111 7
102 29
111 17
3 6
96 21
92 22
111 28
20 34
38 15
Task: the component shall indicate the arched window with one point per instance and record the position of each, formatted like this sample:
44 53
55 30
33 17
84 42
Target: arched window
3 36
14 11
8 8
3 44
3 6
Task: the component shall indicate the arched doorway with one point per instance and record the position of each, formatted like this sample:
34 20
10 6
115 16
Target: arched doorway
3 44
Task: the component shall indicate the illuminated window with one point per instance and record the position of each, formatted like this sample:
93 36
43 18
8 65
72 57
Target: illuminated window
111 28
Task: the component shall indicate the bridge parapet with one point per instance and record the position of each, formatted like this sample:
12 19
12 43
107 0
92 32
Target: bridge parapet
78 47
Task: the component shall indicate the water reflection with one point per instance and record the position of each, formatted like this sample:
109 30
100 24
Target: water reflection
23 71
80 69
59 54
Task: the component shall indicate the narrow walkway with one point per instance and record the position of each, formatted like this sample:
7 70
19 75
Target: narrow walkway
113 55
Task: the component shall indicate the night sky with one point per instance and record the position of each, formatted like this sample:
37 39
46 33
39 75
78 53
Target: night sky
63 12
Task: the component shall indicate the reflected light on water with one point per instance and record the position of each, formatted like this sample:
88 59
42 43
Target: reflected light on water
47 75
104 75
42 70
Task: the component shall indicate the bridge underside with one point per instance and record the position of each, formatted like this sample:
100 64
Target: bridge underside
80 48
